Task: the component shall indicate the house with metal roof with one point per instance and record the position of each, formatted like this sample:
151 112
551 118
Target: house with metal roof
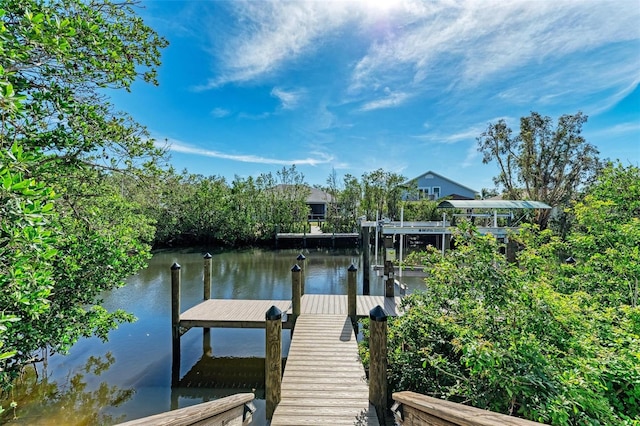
434 186
316 199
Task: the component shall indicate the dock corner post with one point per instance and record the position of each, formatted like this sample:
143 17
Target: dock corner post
296 290
378 361
273 359
366 267
206 293
301 260
175 323
207 277
351 292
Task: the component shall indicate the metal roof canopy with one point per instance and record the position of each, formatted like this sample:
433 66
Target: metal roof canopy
492 204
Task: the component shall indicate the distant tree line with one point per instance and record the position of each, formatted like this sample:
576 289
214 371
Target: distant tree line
190 209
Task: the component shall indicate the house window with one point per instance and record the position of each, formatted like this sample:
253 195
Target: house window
423 193
435 191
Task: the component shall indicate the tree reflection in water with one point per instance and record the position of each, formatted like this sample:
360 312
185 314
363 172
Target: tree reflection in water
41 401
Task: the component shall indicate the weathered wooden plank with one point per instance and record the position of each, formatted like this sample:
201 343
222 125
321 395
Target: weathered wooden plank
336 394
324 411
326 402
307 366
324 381
224 411
302 421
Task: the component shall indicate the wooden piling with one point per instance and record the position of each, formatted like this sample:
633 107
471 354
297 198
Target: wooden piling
389 284
296 290
366 267
207 277
206 293
351 292
301 260
175 323
273 360
378 361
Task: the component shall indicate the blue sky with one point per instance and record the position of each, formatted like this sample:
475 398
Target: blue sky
403 85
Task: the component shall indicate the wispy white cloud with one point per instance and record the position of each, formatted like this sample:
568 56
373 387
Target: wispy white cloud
618 130
419 46
289 99
220 112
389 101
273 33
470 133
464 43
463 135
261 116
472 154
183 148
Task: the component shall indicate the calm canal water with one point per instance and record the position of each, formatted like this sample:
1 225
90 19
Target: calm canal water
130 376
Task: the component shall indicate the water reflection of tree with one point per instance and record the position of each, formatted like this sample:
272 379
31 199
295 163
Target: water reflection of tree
69 401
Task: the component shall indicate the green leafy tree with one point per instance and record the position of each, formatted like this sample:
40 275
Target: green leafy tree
58 61
421 210
343 211
284 201
381 194
541 162
605 238
27 251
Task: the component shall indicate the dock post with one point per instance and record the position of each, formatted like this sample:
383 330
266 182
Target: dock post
273 359
296 290
175 323
206 332
301 260
378 361
366 267
351 292
207 277
390 281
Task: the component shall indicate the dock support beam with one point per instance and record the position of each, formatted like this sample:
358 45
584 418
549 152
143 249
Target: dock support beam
351 292
378 361
273 360
175 323
366 267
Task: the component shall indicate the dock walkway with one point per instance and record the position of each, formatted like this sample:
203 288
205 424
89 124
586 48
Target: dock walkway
237 313
324 381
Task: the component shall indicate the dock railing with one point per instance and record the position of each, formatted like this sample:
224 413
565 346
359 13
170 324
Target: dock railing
236 409
412 409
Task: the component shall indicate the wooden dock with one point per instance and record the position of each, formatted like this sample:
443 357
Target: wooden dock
236 313
324 381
